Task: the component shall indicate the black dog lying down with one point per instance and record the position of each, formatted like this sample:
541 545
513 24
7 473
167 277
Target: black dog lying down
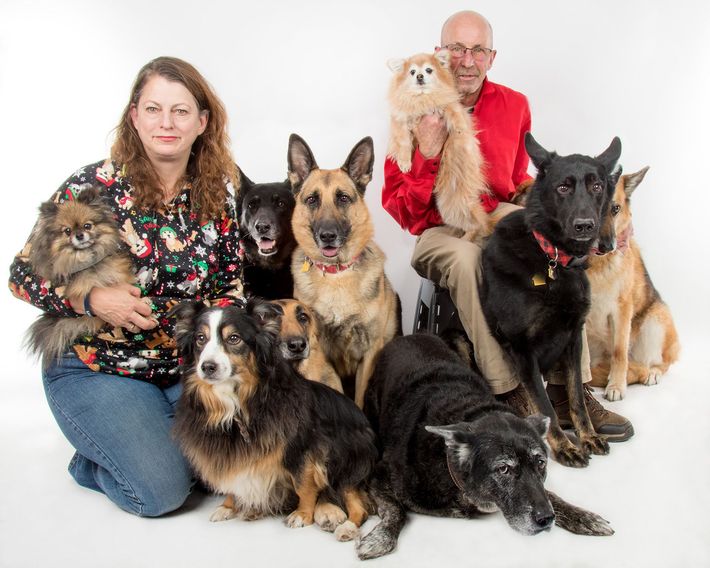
449 449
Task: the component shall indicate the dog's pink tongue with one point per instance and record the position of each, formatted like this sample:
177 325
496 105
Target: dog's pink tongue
329 252
266 244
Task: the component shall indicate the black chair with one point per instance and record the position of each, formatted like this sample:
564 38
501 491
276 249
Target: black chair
435 312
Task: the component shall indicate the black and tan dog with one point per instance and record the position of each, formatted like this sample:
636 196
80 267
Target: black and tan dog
265 211
299 338
338 270
448 448
257 431
535 294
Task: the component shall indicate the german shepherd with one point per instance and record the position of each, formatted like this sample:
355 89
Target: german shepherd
632 338
338 270
535 295
299 338
256 430
265 211
448 448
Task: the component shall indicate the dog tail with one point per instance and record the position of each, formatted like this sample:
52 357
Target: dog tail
383 538
51 335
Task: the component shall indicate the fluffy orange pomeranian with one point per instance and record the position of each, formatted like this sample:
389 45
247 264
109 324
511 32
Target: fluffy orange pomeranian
75 244
423 84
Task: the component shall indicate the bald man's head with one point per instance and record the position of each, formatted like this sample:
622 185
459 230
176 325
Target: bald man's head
461 22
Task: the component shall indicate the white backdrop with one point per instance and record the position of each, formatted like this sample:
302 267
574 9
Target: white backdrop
591 70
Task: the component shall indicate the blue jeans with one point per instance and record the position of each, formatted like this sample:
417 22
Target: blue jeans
120 429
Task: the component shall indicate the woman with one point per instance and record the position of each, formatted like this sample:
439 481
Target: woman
113 395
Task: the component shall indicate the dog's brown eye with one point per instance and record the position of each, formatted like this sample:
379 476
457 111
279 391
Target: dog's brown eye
87 226
541 463
344 198
429 70
281 204
615 209
563 189
200 338
66 231
597 187
303 318
311 200
412 71
504 469
234 339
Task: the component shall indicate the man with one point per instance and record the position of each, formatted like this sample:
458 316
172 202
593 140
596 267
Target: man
502 117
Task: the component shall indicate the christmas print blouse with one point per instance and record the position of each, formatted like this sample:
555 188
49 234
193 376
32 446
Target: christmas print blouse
175 257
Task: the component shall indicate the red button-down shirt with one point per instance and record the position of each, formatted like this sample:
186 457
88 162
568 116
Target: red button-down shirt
502 117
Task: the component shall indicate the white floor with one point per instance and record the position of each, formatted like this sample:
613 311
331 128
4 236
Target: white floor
654 489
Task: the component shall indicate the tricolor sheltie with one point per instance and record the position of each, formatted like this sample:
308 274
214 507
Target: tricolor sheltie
256 431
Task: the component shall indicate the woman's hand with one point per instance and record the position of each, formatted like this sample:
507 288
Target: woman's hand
120 306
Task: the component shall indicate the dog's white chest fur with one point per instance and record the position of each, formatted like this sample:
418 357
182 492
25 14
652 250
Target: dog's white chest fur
256 490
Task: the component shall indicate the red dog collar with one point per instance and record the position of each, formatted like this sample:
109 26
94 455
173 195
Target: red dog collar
553 253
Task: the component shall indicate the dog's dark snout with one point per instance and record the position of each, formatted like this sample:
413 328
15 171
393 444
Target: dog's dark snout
543 518
262 227
208 368
296 345
584 226
420 78
327 237
79 236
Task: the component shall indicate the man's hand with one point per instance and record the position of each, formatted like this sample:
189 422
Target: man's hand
120 306
431 134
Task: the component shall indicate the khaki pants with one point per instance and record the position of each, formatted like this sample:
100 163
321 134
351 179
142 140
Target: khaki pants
443 257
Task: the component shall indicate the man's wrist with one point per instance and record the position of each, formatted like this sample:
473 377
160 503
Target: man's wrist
87 305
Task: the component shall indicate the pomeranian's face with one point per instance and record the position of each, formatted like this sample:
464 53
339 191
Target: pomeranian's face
423 73
78 226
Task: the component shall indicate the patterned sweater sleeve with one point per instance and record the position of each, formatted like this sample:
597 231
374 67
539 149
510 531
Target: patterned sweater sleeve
26 284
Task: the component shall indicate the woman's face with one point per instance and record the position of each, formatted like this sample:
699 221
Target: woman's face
168 120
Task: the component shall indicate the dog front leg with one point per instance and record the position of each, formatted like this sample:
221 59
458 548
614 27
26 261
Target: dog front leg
363 374
307 487
620 324
590 440
577 520
383 538
564 451
227 510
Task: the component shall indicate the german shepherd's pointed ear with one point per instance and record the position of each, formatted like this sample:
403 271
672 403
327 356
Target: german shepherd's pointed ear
359 163
540 423
610 156
300 161
265 314
631 181
540 157
457 438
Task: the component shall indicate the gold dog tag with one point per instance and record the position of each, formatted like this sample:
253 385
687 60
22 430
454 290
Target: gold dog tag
538 280
306 266
551 270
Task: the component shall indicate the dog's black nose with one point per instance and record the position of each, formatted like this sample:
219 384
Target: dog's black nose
262 228
208 368
543 518
584 226
420 78
79 236
327 237
296 345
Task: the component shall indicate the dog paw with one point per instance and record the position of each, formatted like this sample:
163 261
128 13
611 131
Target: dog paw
329 516
404 165
580 521
376 543
299 519
252 515
596 445
222 513
651 380
571 456
614 392
347 531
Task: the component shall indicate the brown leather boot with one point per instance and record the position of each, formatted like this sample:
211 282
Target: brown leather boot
614 426
518 400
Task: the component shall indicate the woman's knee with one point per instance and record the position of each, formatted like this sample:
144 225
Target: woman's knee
161 496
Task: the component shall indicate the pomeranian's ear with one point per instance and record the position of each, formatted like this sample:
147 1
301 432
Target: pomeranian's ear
443 56
395 65
87 194
48 208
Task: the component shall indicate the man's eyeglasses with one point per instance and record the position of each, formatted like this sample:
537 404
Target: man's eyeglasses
478 52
